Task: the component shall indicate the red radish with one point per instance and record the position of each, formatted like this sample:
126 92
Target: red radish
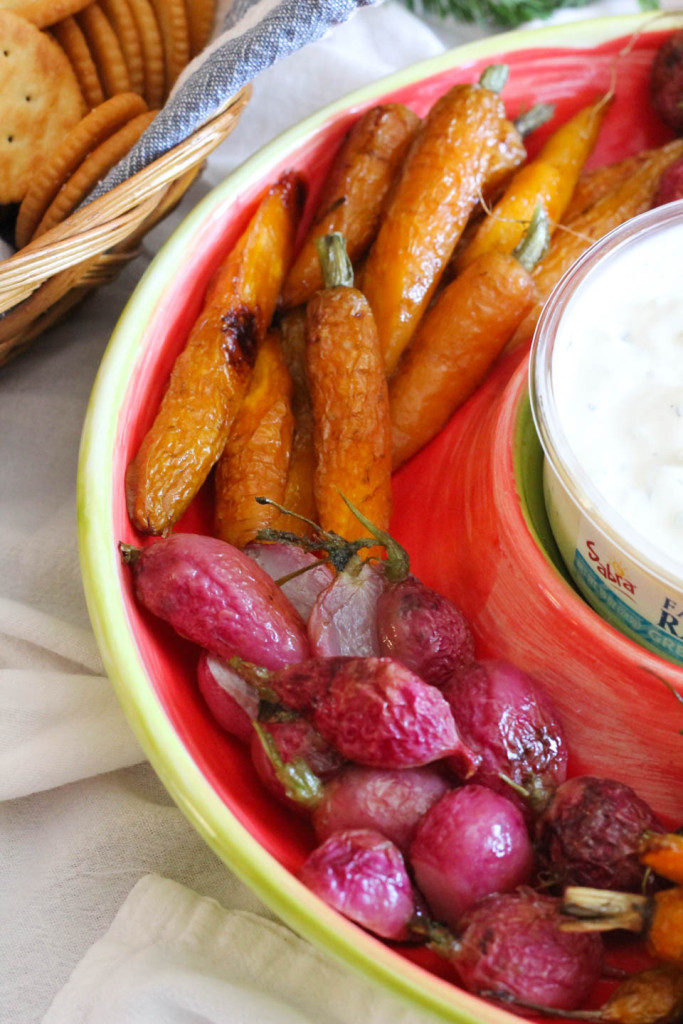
374 711
232 701
424 630
386 800
219 598
283 753
343 617
510 722
666 82
470 843
511 944
590 834
363 876
308 576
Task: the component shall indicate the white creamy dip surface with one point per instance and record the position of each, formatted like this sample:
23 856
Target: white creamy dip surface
617 381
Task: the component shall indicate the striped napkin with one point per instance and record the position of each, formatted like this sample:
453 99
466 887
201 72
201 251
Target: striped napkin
250 37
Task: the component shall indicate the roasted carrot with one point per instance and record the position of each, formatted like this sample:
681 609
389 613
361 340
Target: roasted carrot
354 192
440 184
299 489
458 340
634 195
549 179
256 456
598 182
210 376
663 852
352 429
650 996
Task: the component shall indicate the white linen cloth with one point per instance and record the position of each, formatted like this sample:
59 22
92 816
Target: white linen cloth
113 909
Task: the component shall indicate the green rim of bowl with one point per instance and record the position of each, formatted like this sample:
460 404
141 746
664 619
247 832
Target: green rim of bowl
272 883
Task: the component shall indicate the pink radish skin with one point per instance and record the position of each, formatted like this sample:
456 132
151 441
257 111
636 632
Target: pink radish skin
385 800
363 875
343 618
374 711
424 630
219 598
378 713
232 701
470 843
280 559
512 944
510 722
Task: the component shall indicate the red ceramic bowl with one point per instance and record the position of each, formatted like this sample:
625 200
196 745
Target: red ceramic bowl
468 508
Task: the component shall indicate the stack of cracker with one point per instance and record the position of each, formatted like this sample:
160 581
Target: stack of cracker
80 80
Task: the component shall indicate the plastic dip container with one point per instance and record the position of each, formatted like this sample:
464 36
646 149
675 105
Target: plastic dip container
606 386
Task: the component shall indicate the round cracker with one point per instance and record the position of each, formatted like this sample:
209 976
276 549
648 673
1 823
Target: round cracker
200 17
172 18
122 21
40 100
43 12
71 39
95 166
100 124
152 51
106 49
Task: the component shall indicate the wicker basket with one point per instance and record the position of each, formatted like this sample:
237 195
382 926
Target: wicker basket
41 282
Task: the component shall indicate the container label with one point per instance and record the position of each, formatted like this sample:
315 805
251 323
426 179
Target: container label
630 599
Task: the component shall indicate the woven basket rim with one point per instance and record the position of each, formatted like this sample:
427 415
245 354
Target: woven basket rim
111 218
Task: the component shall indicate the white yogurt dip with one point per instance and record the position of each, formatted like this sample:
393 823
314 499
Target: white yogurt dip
606 383
617 370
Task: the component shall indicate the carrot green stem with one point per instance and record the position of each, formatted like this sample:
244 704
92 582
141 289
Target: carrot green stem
531 119
494 77
334 261
342 554
534 244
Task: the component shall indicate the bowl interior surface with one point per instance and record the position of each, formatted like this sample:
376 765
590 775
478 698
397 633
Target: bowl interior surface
153 671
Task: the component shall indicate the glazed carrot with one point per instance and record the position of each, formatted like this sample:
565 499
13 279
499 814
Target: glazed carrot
651 996
441 182
663 852
255 459
549 179
299 492
458 340
593 185
664 937
353 195
633 196
352 430
210 376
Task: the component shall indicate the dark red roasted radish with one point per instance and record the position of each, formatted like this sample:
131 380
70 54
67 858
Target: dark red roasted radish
511 944
511 724
374 711
590 834
424 630
666 82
